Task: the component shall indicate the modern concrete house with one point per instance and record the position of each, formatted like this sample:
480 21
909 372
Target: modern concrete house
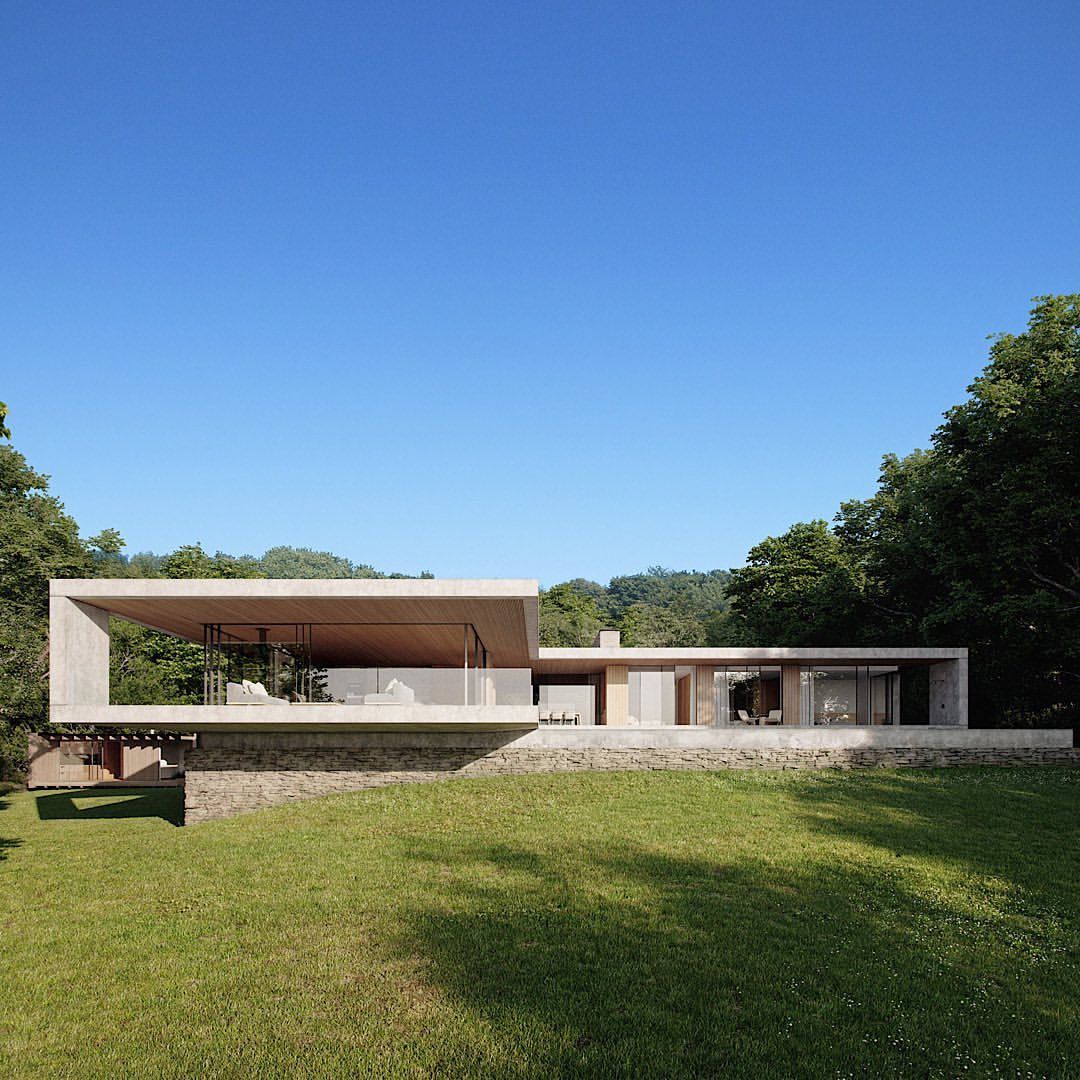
313 686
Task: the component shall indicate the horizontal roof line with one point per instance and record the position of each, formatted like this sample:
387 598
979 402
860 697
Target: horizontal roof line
822 652
289 588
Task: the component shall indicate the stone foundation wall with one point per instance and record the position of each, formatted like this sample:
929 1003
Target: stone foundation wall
248 772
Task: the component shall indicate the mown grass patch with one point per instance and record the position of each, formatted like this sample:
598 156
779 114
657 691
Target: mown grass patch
878 923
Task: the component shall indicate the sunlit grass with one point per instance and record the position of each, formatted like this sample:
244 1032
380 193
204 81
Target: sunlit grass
812 924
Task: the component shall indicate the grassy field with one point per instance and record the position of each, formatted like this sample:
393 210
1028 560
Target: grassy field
654 924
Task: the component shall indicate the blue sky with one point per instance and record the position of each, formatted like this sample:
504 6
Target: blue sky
514 290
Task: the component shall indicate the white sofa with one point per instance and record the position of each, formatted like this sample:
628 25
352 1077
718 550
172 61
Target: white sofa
396 693
250 693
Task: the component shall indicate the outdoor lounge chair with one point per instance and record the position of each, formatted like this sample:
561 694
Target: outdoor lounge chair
745 717
776 716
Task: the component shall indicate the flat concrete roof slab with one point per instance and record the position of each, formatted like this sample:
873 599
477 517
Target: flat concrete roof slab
505 612
568 661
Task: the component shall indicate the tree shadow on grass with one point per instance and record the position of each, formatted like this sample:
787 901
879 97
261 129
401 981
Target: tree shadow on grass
7 843
625 961
85 804
1021 826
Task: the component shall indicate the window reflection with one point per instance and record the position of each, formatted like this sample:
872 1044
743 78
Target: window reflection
747 696
849 695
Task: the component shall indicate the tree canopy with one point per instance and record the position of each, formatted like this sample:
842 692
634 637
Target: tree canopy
38 541
972 541
302 562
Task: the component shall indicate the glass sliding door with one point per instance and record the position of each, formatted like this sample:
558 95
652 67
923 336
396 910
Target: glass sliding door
829 696
567 699
652 697
848 695
747 695
884 695
769 703
743 694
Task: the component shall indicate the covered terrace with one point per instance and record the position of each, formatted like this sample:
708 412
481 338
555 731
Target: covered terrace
285 654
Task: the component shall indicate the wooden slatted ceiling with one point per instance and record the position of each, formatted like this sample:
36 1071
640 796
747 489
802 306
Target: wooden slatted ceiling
365 644
434 622
389 646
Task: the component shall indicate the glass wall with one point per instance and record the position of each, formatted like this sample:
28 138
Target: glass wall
567 699
652 697
849 695
829 696
884 695
430 686
747 695
359 663
276 655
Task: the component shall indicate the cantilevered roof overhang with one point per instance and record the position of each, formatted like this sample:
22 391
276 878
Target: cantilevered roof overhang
592 661
385 621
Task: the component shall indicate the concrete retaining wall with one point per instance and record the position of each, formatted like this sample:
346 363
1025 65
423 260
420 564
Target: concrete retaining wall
232 773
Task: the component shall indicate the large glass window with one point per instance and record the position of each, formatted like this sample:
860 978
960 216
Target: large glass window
358 664
829 696
849 695
567 699
884 695
747 696
652 697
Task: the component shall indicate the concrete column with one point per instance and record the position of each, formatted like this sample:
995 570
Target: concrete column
706 696
78 653
617 680
949 692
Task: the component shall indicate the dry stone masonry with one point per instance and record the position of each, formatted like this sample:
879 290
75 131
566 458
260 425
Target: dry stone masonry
232 773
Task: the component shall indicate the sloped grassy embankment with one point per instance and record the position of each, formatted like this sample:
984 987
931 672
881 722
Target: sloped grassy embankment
811 924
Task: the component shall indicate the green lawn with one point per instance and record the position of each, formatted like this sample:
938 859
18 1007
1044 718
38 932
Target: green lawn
663 924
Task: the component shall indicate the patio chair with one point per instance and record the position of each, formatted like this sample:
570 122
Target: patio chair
776 716
745 717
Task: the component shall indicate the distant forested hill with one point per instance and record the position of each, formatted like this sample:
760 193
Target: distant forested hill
657 607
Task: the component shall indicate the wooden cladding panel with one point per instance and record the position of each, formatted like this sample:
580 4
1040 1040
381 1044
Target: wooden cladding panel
706 696
617 682
44 762
790 692
141 762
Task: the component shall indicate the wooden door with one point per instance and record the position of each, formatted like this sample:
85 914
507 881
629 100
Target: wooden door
110 760
682 701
